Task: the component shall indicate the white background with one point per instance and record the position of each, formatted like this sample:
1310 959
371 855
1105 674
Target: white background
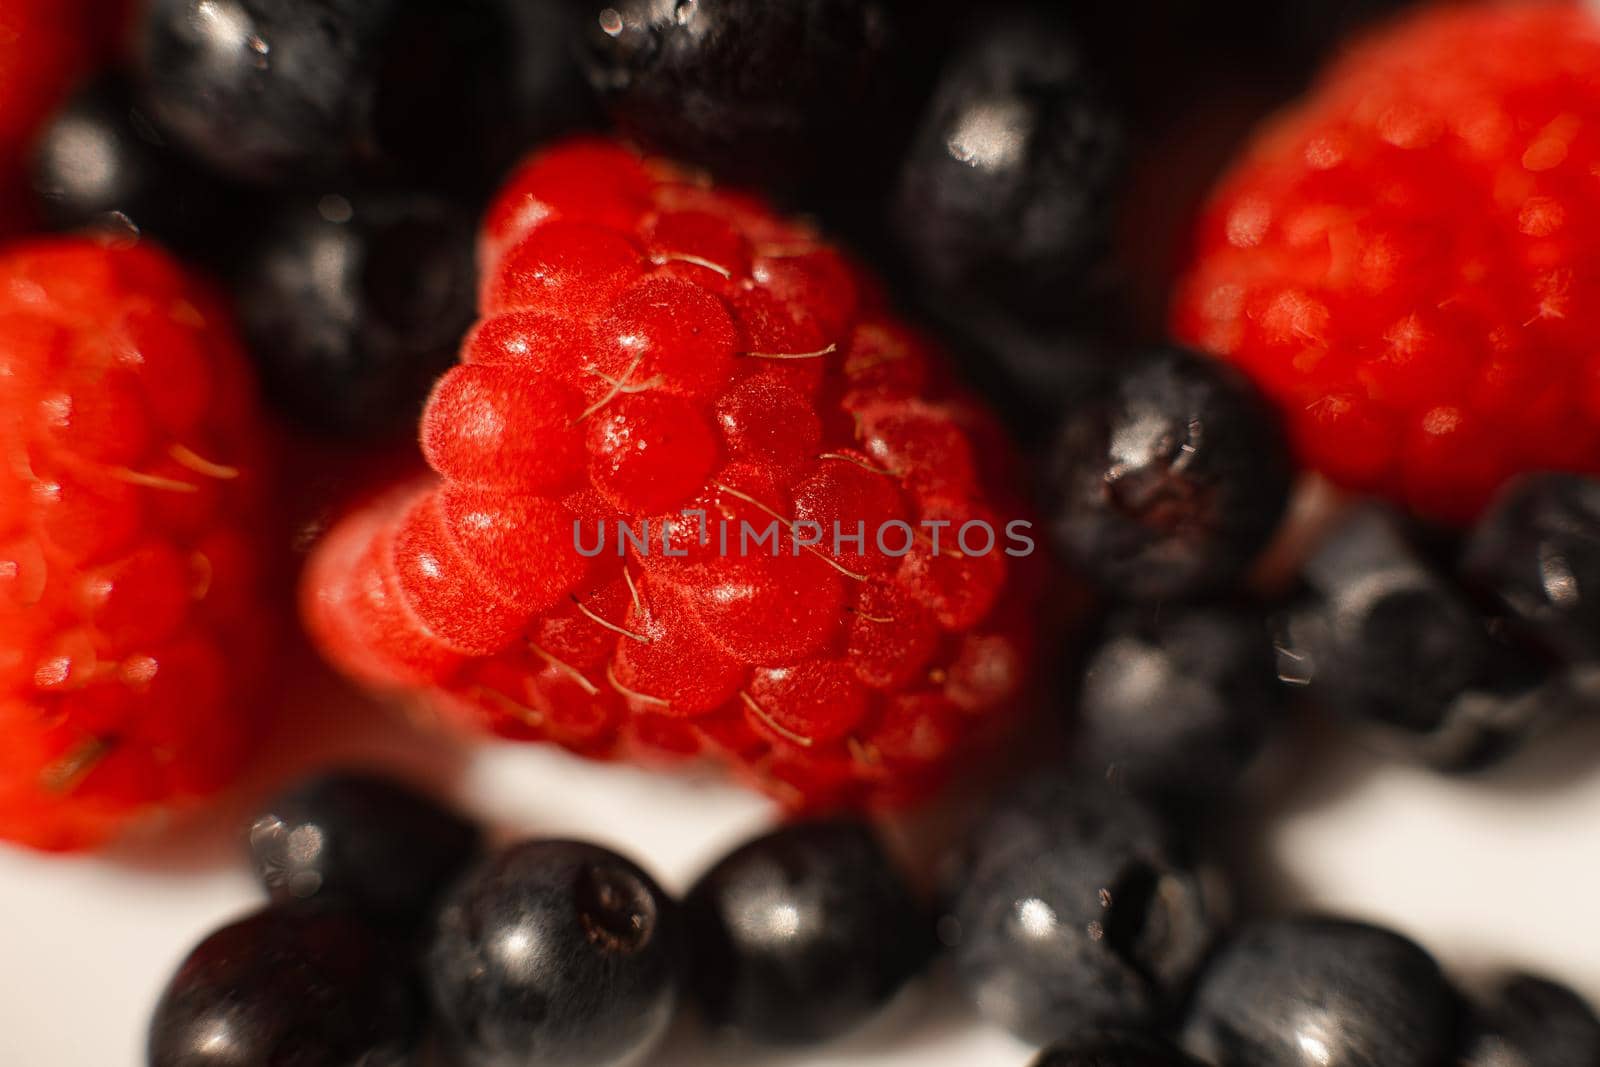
1488 873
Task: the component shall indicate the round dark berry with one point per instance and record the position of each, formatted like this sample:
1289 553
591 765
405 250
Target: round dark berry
1538 552
755 90
371 843
1114 1049
101 164
1177 701
1170 480
555 953
353 306
1387 641
1072 910
1006 194
802 934
1321 993
312 988
292 92
1535 1023
271 91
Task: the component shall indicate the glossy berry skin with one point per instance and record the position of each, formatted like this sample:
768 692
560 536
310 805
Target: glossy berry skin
1114 1049
1533 1022
655 351
267 91
1537 552
354 306
100 164
555 953
1321 993
801 935
754 90
362 841
312 988
1402 261
1070 909
1006 196
134 623
1177 700
293 92
1169 481
1385 639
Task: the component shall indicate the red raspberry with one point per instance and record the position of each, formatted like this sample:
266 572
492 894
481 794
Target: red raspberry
130 505
651 346
1409 261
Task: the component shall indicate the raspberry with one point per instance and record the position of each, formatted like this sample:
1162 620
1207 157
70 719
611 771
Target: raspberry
652 348
1406 261
130 575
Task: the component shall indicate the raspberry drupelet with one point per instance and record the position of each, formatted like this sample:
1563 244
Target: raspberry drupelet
1406 261
652 349
132 633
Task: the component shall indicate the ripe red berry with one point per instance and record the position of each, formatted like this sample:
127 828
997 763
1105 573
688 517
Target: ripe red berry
657 351
1406 260
131 627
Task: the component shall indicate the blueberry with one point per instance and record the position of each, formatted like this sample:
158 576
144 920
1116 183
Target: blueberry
270 91
1170 480
368 842
762 91
1313 992
1006 194
1385 639
1071 910
312 988
1114 1049
101 164
1176 700
1535 1023
556 953
1538 552
352 306
286 92
802 934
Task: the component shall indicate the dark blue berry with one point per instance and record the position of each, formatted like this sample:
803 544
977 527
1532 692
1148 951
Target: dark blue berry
1386 640
308 988
1072 910
271 91
555 953
1538 553
1006 194
802 934
1170 480
1321 993
763 91
1533 1022
101 164
1114 1049
295 92
1177 701
367 842
353 306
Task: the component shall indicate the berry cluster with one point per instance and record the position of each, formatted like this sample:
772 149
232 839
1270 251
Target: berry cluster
544 953
661 355
130 577
1074 917
696 493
